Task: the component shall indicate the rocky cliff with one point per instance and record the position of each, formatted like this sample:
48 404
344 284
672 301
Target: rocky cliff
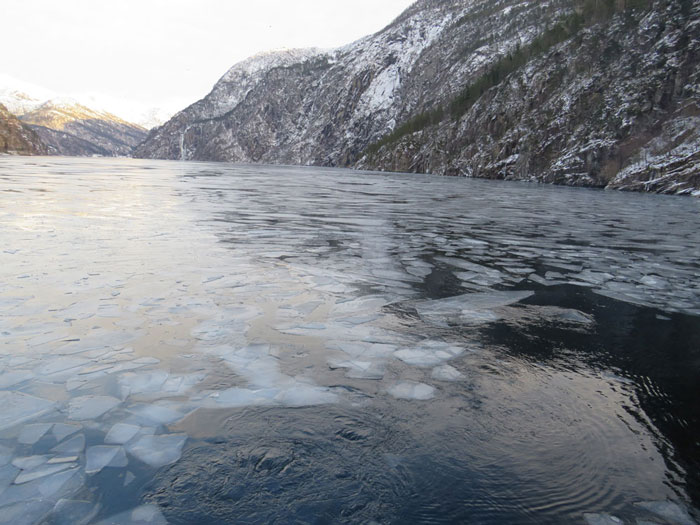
68 128
585 92
16 138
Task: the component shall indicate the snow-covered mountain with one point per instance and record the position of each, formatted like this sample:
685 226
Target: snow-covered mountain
69 128
16 138
567 91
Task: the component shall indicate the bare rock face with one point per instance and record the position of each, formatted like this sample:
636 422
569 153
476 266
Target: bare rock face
68 128
580 92
16 138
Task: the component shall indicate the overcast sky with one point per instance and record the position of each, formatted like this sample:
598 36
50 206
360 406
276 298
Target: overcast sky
167 52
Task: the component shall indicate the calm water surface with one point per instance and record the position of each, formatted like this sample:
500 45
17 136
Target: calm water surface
198 343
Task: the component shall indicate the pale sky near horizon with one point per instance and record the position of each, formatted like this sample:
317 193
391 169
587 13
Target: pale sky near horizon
167 52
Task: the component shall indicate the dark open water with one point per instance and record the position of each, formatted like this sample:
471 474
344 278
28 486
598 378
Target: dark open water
202 343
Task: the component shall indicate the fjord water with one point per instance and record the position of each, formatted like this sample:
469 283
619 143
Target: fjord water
208 343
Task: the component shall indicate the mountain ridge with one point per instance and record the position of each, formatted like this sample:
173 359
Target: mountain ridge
329 107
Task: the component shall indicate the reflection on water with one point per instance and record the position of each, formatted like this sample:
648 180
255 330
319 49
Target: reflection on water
198 343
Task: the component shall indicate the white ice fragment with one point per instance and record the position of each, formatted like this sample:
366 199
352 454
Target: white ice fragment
101 456
62 459
358 369
5 455
601 519
40 472
147 361
143 515
128 478
411 390
240 397
60 364
12 378
140 382
63 430
446 373
470 308
158 451
91 407
300 395
29 512
72 512
670 511
121 433
74 445
29 462
157 413
18 408
30 434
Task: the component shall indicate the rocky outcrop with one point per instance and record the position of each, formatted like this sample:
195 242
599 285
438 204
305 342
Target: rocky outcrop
69 128
581 92
16 138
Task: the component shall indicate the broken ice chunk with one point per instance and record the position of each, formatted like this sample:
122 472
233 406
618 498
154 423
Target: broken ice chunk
101 456
469 308
63 430
15 377
143 515
29 462
359 369
140 382
72 512
40 472
158 451
411 390
161 414
128 478
18 408
601 519
446 373
121 433
30 434
74 445
91 407
25 512
430 353
673 512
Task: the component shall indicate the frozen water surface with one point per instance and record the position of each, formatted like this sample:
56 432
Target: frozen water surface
207 343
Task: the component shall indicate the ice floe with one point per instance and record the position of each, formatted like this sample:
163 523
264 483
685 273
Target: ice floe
90 407
411 390
158 451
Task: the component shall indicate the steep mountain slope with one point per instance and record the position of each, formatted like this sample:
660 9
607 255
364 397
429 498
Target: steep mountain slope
17 138
69 128
585 92
312 107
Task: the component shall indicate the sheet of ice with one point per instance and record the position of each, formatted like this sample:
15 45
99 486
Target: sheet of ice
28 512
668 510
446 373
74 445
411 390
140 382
158 451
18 408
29 462
41 472
358 369
157 413
121 433
428 354
143 515
73 512
30 434
301 395
101 456
90 407
6 455
60 364
63 430
240 397
602 519
14 377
